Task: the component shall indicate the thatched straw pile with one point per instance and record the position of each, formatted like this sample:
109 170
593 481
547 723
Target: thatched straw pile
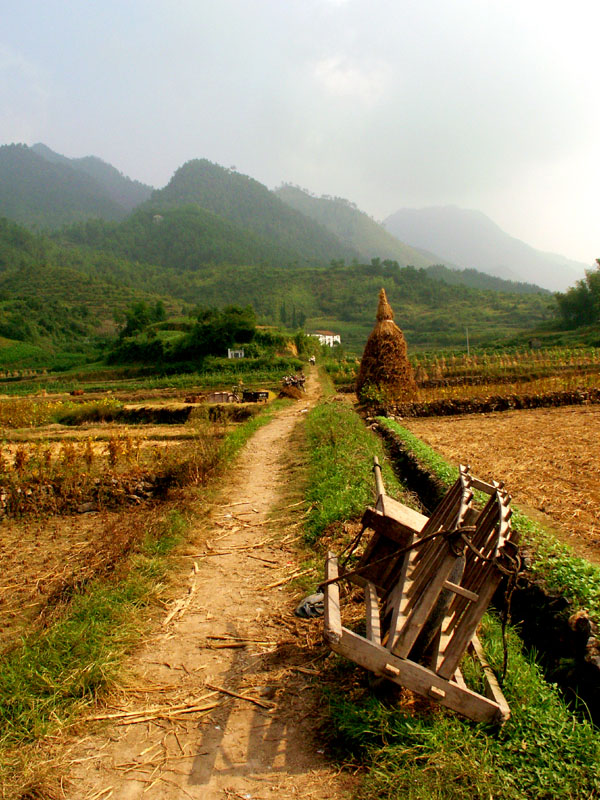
292 391
385 370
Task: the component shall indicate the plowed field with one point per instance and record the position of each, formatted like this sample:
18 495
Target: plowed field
548 458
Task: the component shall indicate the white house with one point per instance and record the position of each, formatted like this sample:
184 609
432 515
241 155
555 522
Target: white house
327 337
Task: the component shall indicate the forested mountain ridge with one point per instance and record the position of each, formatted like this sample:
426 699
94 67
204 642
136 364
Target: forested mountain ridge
245 202
181 237
208 215
471 240
54 292
57 297
352 226
482 280
125 191
39 193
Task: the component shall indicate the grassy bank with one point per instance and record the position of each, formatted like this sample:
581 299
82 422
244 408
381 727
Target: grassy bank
415 751
410 748
341 451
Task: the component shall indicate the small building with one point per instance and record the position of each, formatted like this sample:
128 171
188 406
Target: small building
328 338
235 353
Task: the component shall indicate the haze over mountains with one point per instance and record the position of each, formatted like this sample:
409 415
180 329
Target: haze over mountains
353 226
210 214
212 238
471 239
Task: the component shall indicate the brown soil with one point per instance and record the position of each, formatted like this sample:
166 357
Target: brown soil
232 627
548 459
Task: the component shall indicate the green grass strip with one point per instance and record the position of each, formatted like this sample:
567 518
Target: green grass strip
341 482
542 752
562 571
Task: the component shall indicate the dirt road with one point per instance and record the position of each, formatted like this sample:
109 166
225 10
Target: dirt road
233 629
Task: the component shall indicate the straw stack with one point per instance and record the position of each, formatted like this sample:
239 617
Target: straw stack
385 368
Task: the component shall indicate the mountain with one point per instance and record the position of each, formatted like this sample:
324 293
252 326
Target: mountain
126 192
353 226
180 237
41 193
473 241
250 205
59 296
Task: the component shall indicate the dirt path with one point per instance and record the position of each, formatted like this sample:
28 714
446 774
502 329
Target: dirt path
260 748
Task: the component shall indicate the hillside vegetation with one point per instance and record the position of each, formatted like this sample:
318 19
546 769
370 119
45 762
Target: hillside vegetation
352 226
45 194
184 237
56 293
247 203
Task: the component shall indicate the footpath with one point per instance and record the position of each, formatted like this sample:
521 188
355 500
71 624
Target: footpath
220 700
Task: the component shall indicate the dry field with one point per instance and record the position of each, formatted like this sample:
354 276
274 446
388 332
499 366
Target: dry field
75 501
548 459
43 561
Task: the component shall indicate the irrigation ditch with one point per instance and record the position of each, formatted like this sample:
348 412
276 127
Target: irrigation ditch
564 640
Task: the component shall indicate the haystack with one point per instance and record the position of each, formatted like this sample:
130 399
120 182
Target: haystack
385 367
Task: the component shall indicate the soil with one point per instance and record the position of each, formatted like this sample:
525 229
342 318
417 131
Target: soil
548 459
232 627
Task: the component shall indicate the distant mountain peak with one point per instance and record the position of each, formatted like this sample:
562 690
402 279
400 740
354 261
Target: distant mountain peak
471 240
245 201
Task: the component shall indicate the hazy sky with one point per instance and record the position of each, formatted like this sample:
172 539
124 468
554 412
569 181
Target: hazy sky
390 103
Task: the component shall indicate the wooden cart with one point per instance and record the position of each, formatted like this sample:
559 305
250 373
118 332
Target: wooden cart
427 582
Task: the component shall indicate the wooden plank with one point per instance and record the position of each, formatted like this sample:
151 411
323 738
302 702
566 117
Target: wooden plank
332 616
400 601
454 587
443 510
403 515
417 618
413 676
458 678
482 486
372 614
392 606
464 630
492 687
388 526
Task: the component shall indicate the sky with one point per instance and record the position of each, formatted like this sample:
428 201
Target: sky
392 104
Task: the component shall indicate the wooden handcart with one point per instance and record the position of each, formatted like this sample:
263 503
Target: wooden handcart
427 582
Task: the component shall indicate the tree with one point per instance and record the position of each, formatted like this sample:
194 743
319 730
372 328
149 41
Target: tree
580 305
216 331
